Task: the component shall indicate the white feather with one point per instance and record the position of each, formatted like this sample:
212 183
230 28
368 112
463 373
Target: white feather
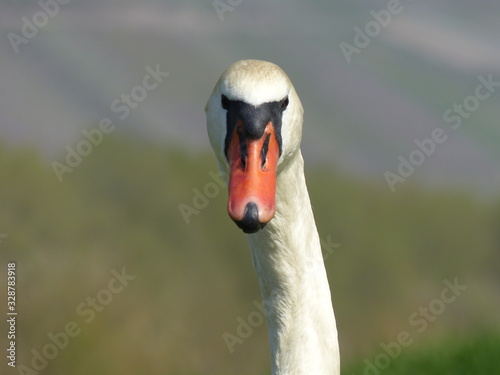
286 253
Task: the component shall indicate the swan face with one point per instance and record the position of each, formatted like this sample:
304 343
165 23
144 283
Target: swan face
254 121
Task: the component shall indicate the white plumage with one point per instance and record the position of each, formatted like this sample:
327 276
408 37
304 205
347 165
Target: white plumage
286 253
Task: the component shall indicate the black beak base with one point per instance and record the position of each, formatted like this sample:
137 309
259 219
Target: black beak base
250 222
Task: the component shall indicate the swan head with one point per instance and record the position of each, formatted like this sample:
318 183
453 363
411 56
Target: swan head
254 122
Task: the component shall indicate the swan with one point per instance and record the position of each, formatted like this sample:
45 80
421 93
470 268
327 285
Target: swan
254 123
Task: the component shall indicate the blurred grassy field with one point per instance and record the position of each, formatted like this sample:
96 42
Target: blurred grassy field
478 355
192 280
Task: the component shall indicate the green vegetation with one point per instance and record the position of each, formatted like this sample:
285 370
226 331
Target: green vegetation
120 209
478 356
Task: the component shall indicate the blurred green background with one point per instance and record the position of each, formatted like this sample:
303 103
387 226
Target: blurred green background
122 207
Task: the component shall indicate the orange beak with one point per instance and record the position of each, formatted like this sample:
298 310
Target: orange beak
252 178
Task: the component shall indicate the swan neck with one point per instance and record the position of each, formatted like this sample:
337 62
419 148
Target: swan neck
288 260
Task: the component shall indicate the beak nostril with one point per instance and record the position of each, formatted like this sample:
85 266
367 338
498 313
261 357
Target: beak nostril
243 147
263 162
263 152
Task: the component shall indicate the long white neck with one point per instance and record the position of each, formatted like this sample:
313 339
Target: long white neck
288 259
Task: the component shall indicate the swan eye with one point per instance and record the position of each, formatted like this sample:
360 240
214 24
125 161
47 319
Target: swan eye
224 101
284 104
